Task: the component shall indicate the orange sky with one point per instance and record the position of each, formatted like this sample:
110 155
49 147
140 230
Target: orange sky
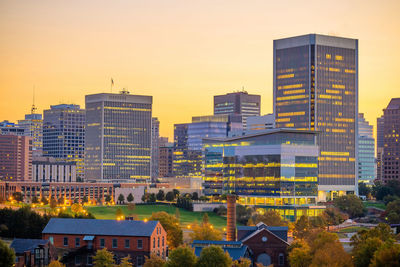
181 52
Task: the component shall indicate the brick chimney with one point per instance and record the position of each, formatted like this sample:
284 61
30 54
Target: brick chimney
231 220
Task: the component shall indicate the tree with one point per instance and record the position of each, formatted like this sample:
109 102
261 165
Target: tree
107 198
121 198
213 256
160 195
333 216
17 196
176 192
299 254
331 254
130 198
181 256
84 199
125 262
206 220
301 227
170 196
363 189
242 262
393 212
53 203
35 199
171 225
195 196
44 200
388 255
243 213
60 201
76 208
381 231
364 252
205 231
270 218
152 198
7 255
154 261
103 258
351 204
391 187
56 264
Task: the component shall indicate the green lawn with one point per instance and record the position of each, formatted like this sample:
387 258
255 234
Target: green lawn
145 211
378 205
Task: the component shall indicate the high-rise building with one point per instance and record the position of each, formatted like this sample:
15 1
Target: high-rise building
239 103
391 140
15 157
379 146
64 134
260 123
33 126
7 127
366 151
155 135
316 88
118 137
166 151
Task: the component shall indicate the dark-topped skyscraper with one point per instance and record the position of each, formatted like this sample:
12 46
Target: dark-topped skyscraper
239 103
316 88
118 137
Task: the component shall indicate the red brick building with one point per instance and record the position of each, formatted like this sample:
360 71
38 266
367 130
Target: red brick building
79 239
33 252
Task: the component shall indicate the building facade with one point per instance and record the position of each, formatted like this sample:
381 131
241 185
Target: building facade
15 158
260 123
7 127
366 151
118 137
155 153
33 127
64 134
316 88
166 153
239 103
48 170
379 146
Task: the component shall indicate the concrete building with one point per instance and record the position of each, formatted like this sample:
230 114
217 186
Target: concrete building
48 170
260 123
316 88
239 103
155 153
15 158
33 127
379 146
118 137
165 160
366 151
7 127
64 134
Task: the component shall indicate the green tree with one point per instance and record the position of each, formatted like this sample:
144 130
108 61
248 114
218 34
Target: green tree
213 256
103 258
130 198
299 254
393 212
7 255
205 231
387 256
243 213
154 261
84 199
152 198
270 218
170 196
195 196
181 256
351 204
126 262
56 264
160 195
176 192
121 198
364 252
333 216
381 231
171 225
363 189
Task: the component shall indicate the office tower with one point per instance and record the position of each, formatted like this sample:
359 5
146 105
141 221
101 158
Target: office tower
118 137
260 123
155 134
7 127
240 103
316 88
64 135
391 141
366 151
33 126
15 158
379 146
274 169
165 157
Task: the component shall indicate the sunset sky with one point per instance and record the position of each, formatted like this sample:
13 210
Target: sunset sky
180 52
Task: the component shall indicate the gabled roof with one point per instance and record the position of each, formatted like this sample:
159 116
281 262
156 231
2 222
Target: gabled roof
22 245
99 227
279 231
234 252
218 243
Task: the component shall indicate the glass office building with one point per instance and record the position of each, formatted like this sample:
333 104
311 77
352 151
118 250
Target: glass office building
33 126
64 134
316 88
118 137
366 151
275 169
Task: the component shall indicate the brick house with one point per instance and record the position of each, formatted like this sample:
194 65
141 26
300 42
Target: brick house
33 252
79 239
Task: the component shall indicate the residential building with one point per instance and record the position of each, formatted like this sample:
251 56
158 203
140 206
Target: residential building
64 134
316 88
239 103
33 127
33 252
48 170
391 140
118 137
379 146
155 135
81 238
366 151
15 157
260 123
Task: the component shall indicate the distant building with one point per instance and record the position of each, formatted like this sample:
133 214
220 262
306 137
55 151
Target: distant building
155 134
118 137
15 158
239 103
235 249
64 134
380 143
260 123
33 127
47 170
366 151
33 252
81 238
166 153
391 139
7 127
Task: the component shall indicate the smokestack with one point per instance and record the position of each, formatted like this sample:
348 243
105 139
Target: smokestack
231 221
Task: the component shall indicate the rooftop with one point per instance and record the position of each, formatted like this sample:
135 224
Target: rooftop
22 245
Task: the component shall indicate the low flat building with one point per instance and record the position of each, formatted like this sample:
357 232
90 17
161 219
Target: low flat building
33 252
81 238
48 169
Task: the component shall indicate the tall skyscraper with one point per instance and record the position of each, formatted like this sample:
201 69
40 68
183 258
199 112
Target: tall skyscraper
33 126
366 151
155 134
379 146
15 158
316 88
118 137
64 134
391 140
240 103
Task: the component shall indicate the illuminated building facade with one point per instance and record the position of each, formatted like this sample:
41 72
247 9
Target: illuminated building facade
260 123
64 134
275 169
155 135
239 103
366 151
165 161
391 141
48 170
118 137
316 88
15 158
33 126
7 127
379 146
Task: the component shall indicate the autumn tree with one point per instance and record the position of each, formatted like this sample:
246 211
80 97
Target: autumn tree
299 254
76 208
214 256
53 203
56 264
242 262
387 255
171 225
126 262
351 204
270 218
205 231
103 258
181 256
154 261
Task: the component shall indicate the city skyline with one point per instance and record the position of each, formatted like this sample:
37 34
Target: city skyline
173 51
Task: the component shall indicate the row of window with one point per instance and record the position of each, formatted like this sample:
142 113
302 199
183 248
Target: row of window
102 242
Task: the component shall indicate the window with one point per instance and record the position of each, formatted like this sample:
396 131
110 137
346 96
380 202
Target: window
281 259
102 242
114 243
154 242
140 244
162 241
77 260
158 242
77 242
89 260
65 241
51 239
127 245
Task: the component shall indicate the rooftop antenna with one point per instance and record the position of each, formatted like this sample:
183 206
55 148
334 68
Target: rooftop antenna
124 91
34 108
